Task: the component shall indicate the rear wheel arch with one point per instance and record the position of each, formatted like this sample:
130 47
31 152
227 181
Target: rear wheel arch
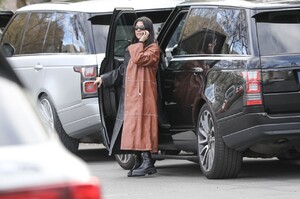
51 120
197 107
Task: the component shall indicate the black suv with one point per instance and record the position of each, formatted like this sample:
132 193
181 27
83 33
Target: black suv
228 83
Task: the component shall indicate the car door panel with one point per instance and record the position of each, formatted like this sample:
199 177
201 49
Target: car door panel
118 38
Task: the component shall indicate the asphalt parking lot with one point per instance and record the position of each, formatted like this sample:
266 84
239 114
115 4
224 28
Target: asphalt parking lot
259 178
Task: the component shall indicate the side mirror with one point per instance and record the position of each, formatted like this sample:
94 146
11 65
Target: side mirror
8 50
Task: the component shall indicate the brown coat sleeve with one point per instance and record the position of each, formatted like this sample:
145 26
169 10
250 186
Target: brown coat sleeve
144 56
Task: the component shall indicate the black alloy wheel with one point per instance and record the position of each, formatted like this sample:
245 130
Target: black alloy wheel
216 160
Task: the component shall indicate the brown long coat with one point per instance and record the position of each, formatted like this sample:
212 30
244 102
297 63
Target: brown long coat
138 102
140 128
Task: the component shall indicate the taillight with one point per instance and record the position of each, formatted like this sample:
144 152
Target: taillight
253 88
88 76
89 72
89 190
89 87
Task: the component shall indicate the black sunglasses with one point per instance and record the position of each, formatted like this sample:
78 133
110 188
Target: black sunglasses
140 28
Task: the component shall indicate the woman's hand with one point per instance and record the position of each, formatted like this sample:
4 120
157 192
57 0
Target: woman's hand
145 36
98 81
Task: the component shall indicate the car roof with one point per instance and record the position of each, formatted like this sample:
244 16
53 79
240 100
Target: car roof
251 4
99 6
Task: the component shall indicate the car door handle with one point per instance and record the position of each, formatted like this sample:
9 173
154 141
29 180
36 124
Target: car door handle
38 66
277 80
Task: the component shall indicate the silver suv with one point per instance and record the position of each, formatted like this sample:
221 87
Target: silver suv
57 49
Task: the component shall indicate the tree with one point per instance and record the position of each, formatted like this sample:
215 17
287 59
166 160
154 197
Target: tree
21 3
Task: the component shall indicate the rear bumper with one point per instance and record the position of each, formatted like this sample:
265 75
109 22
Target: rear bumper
82 119
260 127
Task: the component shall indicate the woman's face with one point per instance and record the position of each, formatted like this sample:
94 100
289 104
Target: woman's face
139 29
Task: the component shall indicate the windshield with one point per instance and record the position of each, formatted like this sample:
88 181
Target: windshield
278 32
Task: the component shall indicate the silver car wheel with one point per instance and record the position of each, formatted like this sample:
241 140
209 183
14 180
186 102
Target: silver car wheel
126 161
206 140
47 115
124 158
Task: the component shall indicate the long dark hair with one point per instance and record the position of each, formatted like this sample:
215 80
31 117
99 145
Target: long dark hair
149 27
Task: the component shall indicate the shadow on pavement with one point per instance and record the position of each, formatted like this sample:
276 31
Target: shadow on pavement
179 168
270 168
273 169
95 155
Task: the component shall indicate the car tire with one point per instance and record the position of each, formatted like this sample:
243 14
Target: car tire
216 160
52 122
126 161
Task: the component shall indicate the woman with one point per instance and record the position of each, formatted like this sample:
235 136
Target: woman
137 111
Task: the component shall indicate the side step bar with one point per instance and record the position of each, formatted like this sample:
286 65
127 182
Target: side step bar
190 157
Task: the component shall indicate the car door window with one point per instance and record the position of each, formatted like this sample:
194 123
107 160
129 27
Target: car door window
14 32
171 49
198 32
100 32
35 33
223 29
5 16
233 25
49 38
123 37
69 33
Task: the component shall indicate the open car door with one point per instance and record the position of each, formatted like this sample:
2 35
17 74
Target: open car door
119 37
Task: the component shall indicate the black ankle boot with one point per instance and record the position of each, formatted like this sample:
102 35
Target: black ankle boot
138 162
147 167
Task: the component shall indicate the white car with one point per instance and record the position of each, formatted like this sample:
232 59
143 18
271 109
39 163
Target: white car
57 52
34 163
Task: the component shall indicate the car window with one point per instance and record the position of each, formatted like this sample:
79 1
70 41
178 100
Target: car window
224 29
171 49
100 36
123 36
197 30
69 33
35 33
14 32
5 16
48 46
233 25
271 37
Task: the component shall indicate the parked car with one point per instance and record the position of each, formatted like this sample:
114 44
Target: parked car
34 163
228 83
57 49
